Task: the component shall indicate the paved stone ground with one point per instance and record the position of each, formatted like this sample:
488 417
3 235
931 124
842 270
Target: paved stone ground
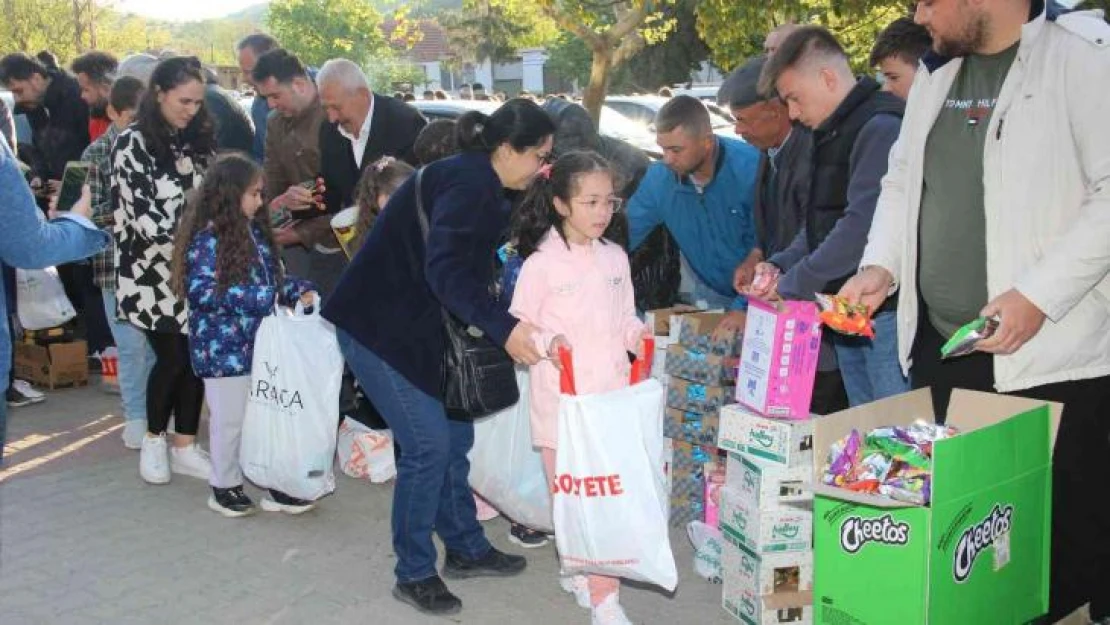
84 540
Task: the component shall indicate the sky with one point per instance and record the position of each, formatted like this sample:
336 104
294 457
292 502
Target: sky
178 10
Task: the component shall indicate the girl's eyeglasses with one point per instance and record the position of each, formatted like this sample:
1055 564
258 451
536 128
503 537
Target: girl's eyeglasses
614 204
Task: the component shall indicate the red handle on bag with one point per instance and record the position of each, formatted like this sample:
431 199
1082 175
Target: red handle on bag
566 375
641 367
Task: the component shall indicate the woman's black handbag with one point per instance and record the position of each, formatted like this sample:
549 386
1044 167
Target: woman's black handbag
479 377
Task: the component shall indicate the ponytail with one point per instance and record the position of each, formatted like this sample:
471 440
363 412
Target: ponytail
470 130
535 216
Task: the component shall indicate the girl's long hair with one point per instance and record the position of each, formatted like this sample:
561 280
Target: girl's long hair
536 213
217 204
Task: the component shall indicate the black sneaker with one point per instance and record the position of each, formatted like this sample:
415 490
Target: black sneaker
493 564
16 399
526 537
280 502
430 596
230 502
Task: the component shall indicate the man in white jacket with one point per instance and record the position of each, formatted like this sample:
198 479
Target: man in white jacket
997 203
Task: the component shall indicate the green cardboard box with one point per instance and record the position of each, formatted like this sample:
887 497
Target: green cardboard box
979 554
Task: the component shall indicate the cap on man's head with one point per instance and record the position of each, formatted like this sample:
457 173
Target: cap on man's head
741 88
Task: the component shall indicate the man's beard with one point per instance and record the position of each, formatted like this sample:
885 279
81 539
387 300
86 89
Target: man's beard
99 110
969 41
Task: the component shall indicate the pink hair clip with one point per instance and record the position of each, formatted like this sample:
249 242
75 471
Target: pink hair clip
544 172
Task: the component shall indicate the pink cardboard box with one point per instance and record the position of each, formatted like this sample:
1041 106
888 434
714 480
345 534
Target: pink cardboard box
778 360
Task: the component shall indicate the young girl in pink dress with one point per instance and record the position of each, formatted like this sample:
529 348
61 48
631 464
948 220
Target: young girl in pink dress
577 288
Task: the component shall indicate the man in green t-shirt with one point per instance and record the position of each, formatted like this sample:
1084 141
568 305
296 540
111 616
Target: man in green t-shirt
997 204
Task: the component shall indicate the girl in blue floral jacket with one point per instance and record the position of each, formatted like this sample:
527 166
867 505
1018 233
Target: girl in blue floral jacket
226 269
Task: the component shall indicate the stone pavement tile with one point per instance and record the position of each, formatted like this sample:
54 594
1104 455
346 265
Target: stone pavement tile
84 534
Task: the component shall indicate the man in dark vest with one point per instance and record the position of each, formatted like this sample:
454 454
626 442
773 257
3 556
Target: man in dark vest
854 126
782 189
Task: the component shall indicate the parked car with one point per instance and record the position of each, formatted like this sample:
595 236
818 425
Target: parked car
644 108
613 124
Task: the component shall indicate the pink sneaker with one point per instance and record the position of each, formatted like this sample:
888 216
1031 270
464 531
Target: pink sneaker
486 512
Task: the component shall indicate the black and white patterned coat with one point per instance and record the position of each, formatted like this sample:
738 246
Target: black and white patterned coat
151 202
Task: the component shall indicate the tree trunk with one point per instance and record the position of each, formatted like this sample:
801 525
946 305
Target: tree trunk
594 95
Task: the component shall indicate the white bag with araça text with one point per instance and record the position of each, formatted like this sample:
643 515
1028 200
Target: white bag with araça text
609 494
289 431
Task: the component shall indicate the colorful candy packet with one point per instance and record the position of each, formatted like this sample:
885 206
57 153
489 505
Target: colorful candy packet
844 317
963 341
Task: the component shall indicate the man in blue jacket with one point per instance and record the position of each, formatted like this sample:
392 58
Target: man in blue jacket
702 191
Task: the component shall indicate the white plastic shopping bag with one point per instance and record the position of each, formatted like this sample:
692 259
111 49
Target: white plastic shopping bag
289 431
504 467
41 300
610 499
708 546
365 453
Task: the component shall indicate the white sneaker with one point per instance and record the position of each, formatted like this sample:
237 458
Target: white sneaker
578 586
134 431
609 612
191 460
28 391
154 461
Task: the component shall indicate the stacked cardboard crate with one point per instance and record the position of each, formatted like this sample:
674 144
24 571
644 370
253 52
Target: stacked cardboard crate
766 515
699 370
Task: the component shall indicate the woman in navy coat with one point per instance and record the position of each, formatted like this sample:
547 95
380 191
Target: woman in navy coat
386 310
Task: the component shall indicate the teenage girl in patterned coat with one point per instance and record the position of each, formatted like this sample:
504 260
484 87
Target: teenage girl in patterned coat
155 162
225 267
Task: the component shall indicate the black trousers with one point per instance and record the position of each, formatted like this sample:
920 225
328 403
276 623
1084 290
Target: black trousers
1080 570
829 395
173 388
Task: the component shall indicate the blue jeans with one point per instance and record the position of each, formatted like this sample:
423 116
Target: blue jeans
135 360
870 366
432 491
3 423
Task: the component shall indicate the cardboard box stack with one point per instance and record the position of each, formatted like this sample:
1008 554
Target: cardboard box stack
765 515
51 359
700 372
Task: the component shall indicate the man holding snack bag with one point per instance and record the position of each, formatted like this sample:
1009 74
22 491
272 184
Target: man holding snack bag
292 162
854 124
995 212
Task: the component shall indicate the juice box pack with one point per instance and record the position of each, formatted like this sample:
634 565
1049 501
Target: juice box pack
778 361
773 442
785 528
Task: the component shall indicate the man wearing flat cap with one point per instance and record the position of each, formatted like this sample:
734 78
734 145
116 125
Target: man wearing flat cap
782 190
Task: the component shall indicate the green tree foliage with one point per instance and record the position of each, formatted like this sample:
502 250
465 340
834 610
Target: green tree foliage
667 62
318 30
734 31
613 31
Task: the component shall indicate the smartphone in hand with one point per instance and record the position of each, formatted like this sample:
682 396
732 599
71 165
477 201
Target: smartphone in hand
72 180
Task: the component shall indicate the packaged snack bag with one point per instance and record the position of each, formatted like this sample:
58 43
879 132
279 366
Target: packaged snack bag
963 341
841 316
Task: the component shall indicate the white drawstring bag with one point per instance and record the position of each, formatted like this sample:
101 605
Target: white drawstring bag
40 299
504 467
610 500
289 431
